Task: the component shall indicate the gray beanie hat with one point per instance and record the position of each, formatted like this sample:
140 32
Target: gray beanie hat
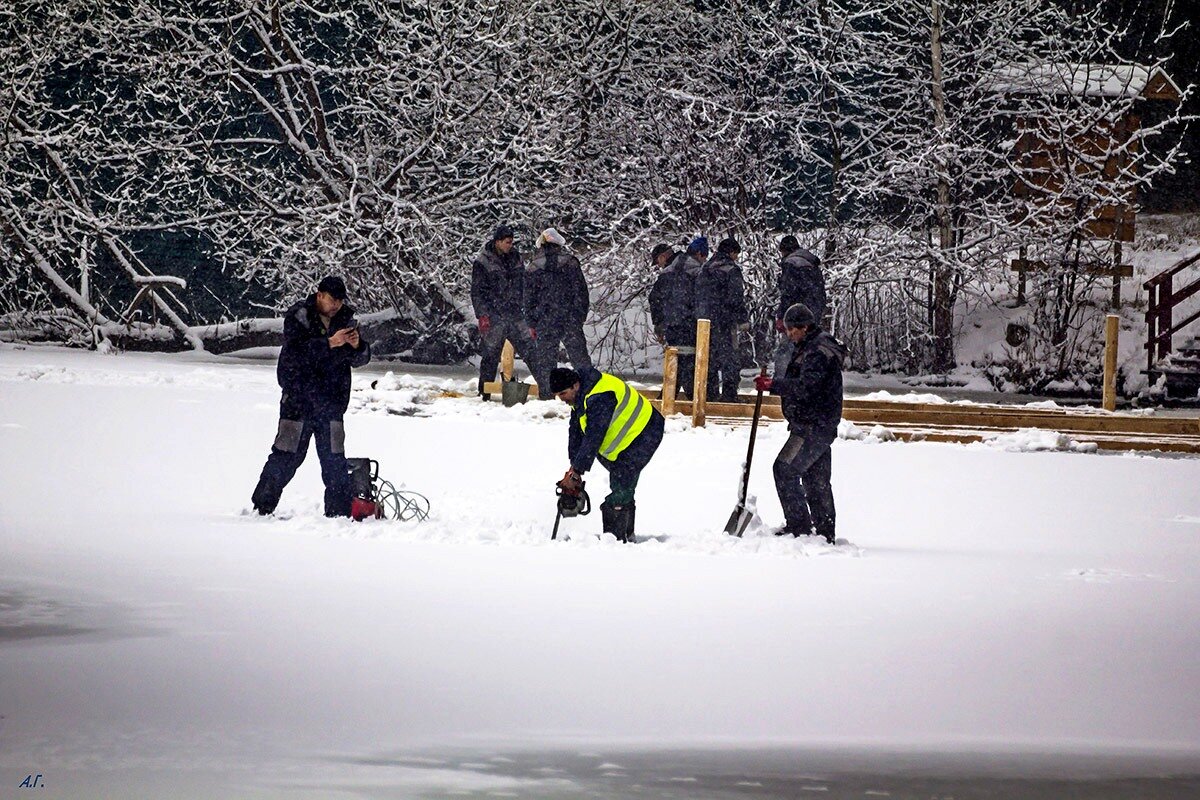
798 315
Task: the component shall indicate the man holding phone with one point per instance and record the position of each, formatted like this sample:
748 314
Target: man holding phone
321 343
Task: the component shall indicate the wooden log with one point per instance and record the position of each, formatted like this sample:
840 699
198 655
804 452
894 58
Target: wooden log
700 384
670 379
1112 327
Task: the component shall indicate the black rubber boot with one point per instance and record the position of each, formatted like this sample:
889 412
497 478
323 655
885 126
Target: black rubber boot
608 518
623 522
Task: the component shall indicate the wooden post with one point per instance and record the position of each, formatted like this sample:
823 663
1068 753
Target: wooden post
670 380
506 361
1115 300
1112 327
700 386
1022 277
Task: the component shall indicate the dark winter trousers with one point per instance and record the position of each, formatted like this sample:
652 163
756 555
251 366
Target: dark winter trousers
618 509
287 454
491 345
723 365
803 470
549 337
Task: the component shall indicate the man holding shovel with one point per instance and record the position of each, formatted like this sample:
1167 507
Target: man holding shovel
811 394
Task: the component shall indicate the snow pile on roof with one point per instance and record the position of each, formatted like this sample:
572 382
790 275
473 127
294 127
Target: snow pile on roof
1081 80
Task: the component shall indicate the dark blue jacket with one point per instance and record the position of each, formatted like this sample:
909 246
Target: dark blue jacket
720 293
811 389
801 281
556 293
673 300
315 377
584 446
497 281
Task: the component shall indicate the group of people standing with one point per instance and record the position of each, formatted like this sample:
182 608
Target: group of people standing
542 305
690 286
537 305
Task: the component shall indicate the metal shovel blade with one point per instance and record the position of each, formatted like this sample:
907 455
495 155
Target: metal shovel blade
739 520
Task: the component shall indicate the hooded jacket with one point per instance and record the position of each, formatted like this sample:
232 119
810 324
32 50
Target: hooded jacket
801 281
811 389
556 293
720 293
673 299
497 280
315 377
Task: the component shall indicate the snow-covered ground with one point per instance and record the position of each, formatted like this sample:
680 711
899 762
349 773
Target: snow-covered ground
156 641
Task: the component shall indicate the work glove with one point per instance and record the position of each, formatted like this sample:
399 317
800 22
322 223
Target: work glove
485 325
533 333
779 326
763 383
571 482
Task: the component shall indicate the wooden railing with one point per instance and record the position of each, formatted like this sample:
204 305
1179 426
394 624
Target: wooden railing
1160 323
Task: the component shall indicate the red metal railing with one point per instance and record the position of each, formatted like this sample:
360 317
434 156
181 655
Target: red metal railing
1159 313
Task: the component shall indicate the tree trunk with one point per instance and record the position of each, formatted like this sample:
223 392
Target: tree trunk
943 295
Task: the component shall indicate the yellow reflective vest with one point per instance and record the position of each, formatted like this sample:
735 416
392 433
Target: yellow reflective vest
629 418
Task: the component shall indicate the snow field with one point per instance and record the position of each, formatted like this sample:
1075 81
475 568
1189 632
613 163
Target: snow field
976 598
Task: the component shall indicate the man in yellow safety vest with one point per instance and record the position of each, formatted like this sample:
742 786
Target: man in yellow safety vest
610 420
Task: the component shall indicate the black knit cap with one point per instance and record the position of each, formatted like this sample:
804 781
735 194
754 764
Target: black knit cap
562 378
728 246
788 244
798 316
334 286
658 250
502 232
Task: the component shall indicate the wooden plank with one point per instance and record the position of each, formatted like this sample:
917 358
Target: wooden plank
495 387
986 417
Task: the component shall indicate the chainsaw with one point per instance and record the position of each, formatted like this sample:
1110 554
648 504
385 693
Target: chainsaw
573 501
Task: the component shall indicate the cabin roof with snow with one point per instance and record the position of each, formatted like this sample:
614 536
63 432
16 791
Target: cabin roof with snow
1086 80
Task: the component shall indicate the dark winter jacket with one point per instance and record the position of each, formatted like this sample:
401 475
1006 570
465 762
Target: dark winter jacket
811 389
556 293
801 281
720 294
584 446
315 377
496 282
673 301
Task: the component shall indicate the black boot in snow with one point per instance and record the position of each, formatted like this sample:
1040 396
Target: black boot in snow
607 518
623 522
